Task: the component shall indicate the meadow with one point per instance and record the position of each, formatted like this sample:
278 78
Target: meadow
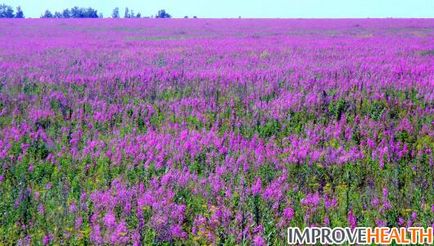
212 132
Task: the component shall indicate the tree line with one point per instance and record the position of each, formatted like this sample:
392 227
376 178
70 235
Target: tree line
7 11
77 12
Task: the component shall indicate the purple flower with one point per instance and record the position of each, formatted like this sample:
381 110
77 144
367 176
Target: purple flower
385 192
380 223
72 207
47 239
177 232
95 234
330 202
41 209
311 200
326 221
31 167
352 220
258 241
256 187
375 202
288 213
413 216
109 219
78 222
401 221
119 236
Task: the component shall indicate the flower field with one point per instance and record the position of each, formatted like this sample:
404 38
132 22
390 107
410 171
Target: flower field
212 132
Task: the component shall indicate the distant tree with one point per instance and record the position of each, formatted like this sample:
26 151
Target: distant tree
186 17
47 14
127 13
6 11
57 14
194 17
163 14
66 13
115 13
90 13
20 13
75 12
100 15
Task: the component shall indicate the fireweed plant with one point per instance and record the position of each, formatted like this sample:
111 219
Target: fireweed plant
225 132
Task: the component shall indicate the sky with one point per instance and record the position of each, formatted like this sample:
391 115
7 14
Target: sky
244 8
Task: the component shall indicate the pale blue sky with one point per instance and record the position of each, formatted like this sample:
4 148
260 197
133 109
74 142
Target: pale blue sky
244 8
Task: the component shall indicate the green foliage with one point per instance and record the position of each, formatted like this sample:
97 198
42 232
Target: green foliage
337 108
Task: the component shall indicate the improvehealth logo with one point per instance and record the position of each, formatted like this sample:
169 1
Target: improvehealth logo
360 235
